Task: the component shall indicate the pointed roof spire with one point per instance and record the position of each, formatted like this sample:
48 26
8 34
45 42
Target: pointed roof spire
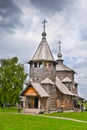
59 53
44 26
60 66
43 51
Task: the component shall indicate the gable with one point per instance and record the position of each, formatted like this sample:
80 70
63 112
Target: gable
66 79
47 81
34 89
30 91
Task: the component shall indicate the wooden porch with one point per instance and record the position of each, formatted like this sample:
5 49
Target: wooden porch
32 111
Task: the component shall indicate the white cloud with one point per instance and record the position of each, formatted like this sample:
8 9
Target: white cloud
68 24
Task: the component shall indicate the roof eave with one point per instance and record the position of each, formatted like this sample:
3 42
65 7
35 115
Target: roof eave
38 60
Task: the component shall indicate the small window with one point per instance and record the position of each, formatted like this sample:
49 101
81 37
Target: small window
35 64
40 64
45 64
69 89
48 65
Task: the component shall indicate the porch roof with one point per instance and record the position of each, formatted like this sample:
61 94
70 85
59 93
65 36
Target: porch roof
62 88
38 88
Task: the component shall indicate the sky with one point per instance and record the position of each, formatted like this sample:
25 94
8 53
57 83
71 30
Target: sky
21 29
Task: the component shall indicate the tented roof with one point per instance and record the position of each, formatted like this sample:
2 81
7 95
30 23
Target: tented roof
43 52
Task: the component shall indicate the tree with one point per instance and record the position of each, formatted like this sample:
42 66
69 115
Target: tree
12 78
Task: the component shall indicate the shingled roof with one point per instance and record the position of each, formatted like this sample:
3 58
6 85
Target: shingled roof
47 81
62 67
67 79
62 88
43 51
38 88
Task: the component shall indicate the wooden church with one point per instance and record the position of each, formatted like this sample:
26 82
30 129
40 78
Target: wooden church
51 86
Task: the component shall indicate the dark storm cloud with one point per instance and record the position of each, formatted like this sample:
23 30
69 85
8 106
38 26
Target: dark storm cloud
51 5
9 15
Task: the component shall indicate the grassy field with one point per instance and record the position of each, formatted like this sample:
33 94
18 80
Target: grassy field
11 120
74 115
12 109
30 122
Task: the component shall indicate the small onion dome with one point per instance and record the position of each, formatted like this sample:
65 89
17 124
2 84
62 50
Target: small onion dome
44 35
59 56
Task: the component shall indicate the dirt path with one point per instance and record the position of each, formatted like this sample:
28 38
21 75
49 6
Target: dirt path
64 118
54 117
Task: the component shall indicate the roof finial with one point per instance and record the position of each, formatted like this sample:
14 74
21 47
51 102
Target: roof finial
59 53
59 46
44 22
44 26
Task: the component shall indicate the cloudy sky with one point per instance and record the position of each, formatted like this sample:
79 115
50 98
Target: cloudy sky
21 29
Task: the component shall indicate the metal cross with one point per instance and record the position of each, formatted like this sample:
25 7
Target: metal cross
59 46
44 22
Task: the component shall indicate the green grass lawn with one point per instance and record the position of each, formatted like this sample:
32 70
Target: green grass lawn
11 120
74 115
12 109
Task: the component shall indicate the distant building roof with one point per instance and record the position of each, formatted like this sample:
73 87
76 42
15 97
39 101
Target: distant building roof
47 81
62 88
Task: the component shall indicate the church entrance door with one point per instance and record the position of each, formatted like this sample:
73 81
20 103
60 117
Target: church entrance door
36 103
32 102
